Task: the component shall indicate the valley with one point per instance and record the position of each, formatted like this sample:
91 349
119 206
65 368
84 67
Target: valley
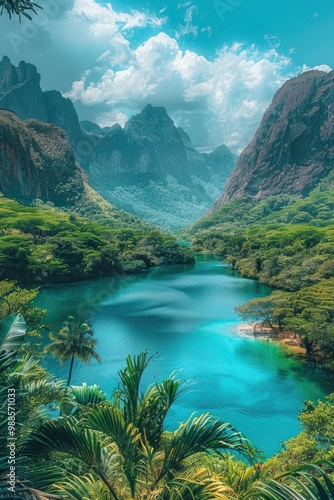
123 240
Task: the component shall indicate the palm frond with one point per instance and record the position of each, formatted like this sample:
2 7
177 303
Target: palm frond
12 332
309 482
203 434
83 488
194 485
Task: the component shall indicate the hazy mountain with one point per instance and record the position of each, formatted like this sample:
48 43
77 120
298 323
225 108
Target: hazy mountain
149 167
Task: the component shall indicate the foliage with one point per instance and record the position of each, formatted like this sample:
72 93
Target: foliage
33 392
18 7
45 246
309 482
126 450
272 239
74 340
307 313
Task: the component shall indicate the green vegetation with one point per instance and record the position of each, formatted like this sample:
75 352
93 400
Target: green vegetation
18 8
119 449
74 340
286 243
307 313
45 246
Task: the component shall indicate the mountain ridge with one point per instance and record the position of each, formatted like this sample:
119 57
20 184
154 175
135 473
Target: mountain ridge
149 167
293 149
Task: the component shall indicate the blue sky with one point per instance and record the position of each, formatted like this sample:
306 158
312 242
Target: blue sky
214 64
306 27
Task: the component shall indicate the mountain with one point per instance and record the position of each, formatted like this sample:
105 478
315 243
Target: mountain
36 161
151 169
154 124
148 168
75 234
293 148
20 91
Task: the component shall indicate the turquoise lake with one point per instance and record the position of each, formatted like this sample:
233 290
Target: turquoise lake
185 314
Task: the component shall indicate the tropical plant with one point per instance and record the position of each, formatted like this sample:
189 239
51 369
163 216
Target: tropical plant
26 392
18 7
74 340
309 482
127 451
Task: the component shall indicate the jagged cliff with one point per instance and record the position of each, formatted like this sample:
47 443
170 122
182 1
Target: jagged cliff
36 161
293 148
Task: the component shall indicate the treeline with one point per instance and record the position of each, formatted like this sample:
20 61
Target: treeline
288 244
45 246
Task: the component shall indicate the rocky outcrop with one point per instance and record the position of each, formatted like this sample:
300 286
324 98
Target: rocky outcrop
197 164
36 161
294 147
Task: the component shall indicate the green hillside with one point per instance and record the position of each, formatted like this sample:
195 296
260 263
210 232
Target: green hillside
42 245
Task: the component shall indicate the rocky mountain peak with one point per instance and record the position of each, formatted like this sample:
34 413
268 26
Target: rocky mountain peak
20 92
154 124
293 149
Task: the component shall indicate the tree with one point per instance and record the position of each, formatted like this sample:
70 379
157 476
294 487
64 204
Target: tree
126 450
74 340
18 7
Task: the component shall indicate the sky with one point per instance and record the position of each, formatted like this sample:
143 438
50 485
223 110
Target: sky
214 64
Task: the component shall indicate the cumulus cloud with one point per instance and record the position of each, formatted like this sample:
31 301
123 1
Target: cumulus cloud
321 67
219 100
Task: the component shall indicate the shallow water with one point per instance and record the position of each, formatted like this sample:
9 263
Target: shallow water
185 314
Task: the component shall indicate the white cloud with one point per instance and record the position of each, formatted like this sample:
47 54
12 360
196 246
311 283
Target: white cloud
103 19
216 101
320 67
188 28
109 119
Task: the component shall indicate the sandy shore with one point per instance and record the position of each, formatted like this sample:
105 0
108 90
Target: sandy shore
289 340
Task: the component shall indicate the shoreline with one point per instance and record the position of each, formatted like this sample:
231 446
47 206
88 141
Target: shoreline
290 341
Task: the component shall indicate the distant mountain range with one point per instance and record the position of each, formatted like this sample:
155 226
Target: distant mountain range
149 167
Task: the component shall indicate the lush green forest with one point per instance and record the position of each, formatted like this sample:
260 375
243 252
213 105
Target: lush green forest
42 245
287 243
75 442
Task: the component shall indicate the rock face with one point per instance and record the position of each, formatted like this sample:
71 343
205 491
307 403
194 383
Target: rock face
154 124
36 161
119 159
294 147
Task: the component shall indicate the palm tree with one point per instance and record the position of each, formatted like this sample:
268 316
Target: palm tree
74 340
126 450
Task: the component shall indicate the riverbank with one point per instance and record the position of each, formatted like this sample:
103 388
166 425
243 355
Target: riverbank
289 340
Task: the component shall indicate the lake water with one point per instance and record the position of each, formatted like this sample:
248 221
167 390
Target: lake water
185 314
